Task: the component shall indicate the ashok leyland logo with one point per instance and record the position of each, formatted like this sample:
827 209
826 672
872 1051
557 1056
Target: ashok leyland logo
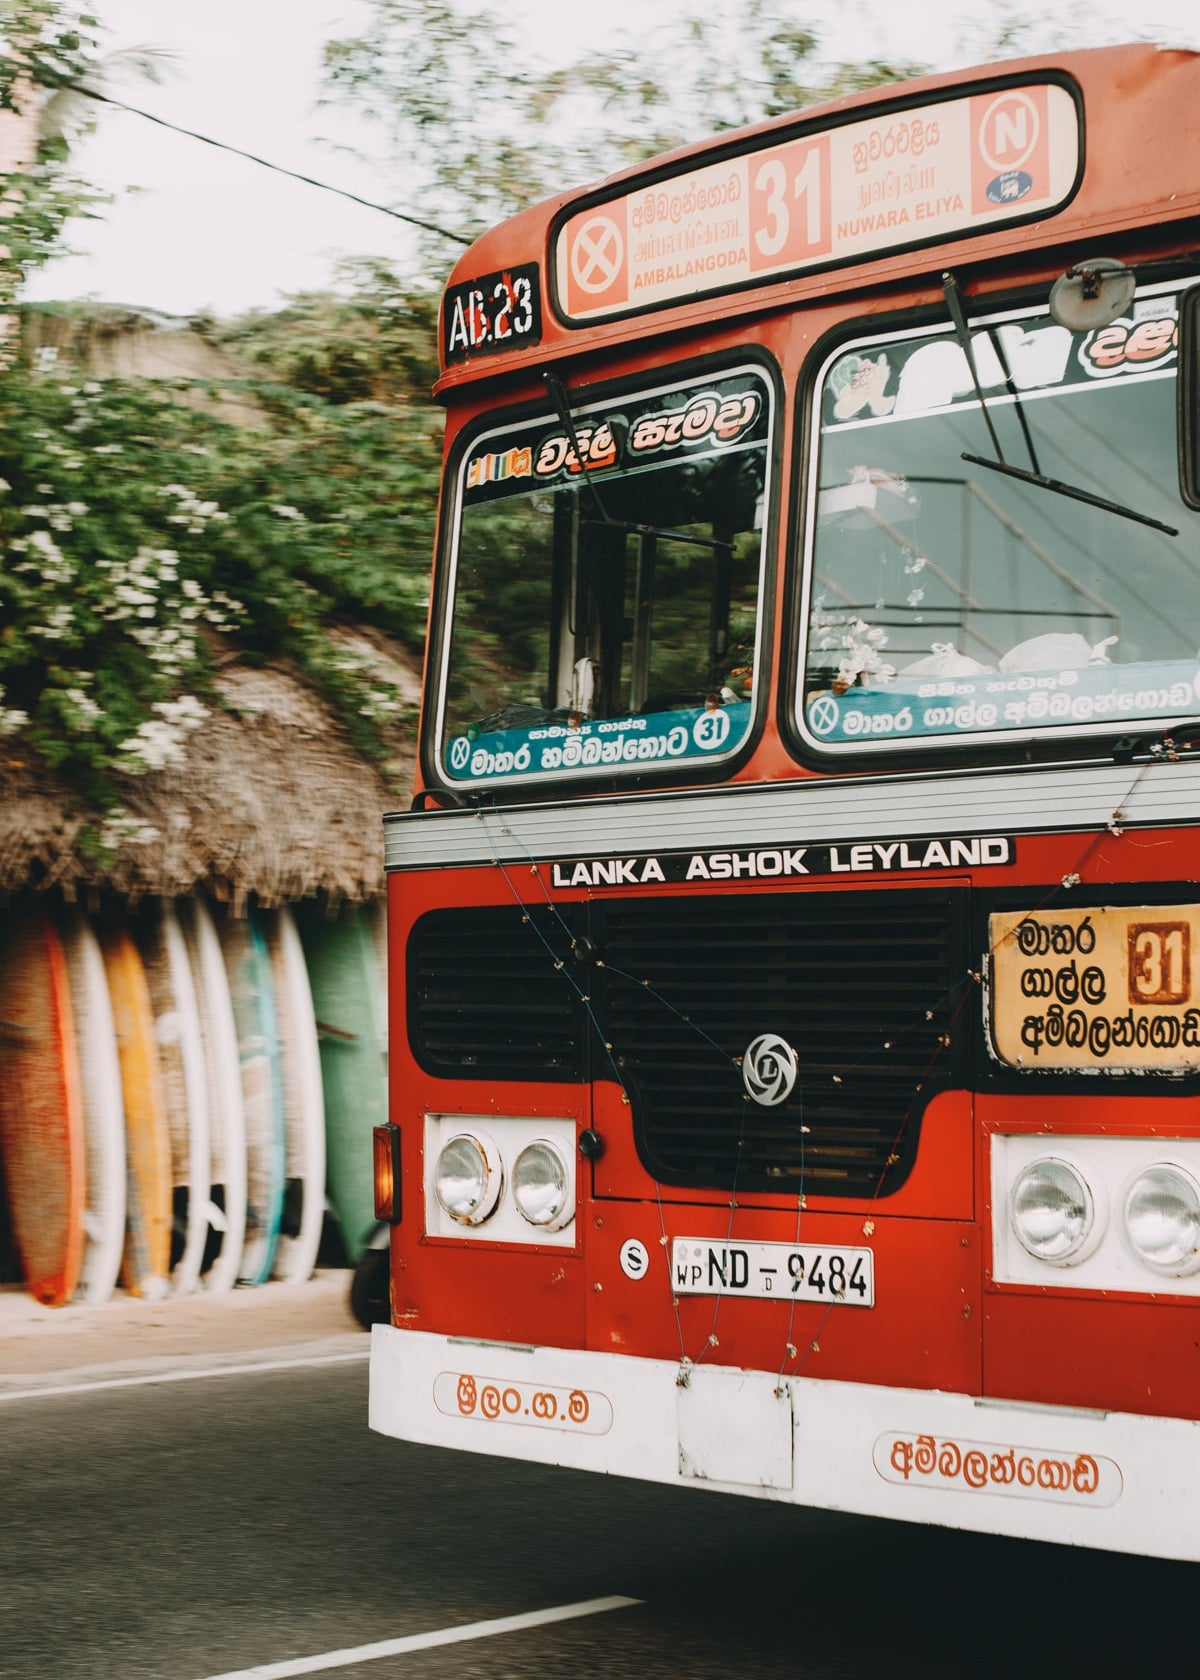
769 1070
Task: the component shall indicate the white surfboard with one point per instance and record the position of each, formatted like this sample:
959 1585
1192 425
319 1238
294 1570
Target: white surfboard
185 1085
304 1104
226 1211
252 993
103 1110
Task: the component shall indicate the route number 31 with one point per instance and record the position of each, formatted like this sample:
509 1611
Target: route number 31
1160 962
789 205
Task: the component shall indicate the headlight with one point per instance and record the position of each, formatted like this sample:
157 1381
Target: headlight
1162 1219
1053 1211
468 1178
541 1186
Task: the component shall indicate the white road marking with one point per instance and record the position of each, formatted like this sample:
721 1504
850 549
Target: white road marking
146 1378
426 1641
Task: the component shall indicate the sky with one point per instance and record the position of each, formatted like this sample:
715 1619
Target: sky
191 228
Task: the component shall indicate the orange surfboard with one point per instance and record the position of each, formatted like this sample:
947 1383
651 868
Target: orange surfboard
41 1104
147 1261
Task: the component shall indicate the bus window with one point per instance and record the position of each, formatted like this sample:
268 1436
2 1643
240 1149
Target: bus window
607 622
948 602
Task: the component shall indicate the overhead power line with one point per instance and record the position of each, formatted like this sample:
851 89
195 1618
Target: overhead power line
276 168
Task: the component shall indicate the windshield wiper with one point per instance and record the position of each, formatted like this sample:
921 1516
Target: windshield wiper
1027 475
558 396
1072 490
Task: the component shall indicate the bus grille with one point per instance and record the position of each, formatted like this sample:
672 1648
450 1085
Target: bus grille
863 985
860 984
485 1000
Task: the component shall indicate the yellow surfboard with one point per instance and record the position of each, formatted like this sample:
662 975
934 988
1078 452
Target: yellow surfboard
147 1262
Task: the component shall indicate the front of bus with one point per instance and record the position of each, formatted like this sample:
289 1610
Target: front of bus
794 1034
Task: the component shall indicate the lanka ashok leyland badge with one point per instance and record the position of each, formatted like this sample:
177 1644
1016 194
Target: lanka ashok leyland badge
769 1069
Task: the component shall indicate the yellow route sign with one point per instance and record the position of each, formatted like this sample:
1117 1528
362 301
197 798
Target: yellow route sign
1111 989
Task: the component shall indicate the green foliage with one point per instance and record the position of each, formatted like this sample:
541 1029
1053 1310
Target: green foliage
43 44
376 341
143 537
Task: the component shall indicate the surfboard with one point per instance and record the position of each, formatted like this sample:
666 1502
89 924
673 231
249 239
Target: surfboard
226 1211
103 1109
252 992
303 1103
375 916
147 1259
348 996
185 1087
41 1105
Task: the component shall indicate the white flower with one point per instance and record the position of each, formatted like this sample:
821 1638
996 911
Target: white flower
83 703
160 740
119 827
53 564
56 626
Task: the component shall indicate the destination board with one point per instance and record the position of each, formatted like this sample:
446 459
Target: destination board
837 195
1111 989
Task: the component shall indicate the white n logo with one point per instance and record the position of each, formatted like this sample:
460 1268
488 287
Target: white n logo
1009 130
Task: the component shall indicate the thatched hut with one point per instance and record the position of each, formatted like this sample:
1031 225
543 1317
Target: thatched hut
271 800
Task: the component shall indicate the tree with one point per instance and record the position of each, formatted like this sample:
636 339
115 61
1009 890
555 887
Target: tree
51 69
42 43
475 134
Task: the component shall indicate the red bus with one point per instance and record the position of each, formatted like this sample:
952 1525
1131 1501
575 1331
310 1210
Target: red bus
794 1018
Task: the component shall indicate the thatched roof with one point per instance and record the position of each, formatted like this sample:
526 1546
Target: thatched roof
271 800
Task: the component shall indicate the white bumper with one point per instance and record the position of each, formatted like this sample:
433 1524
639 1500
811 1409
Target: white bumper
1112 1480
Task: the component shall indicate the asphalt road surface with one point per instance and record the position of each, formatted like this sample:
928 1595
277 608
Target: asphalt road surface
235 1523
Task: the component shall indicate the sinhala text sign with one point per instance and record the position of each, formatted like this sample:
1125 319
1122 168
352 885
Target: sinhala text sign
890 180
1106 989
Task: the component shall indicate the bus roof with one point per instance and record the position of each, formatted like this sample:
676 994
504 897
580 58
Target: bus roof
1016 155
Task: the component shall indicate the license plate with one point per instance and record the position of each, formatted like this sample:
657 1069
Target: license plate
765 1271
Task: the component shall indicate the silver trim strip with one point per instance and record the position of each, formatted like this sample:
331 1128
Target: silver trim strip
1046 800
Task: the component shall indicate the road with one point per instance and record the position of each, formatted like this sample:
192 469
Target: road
207 1527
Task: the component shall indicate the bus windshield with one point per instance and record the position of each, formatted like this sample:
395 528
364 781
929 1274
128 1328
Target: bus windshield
948 602
606 621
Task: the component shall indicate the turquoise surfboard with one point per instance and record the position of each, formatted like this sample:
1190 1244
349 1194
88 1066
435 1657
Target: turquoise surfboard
349 1001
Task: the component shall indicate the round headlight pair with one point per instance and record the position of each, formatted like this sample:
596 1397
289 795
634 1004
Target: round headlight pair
1056 1216
469 1179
